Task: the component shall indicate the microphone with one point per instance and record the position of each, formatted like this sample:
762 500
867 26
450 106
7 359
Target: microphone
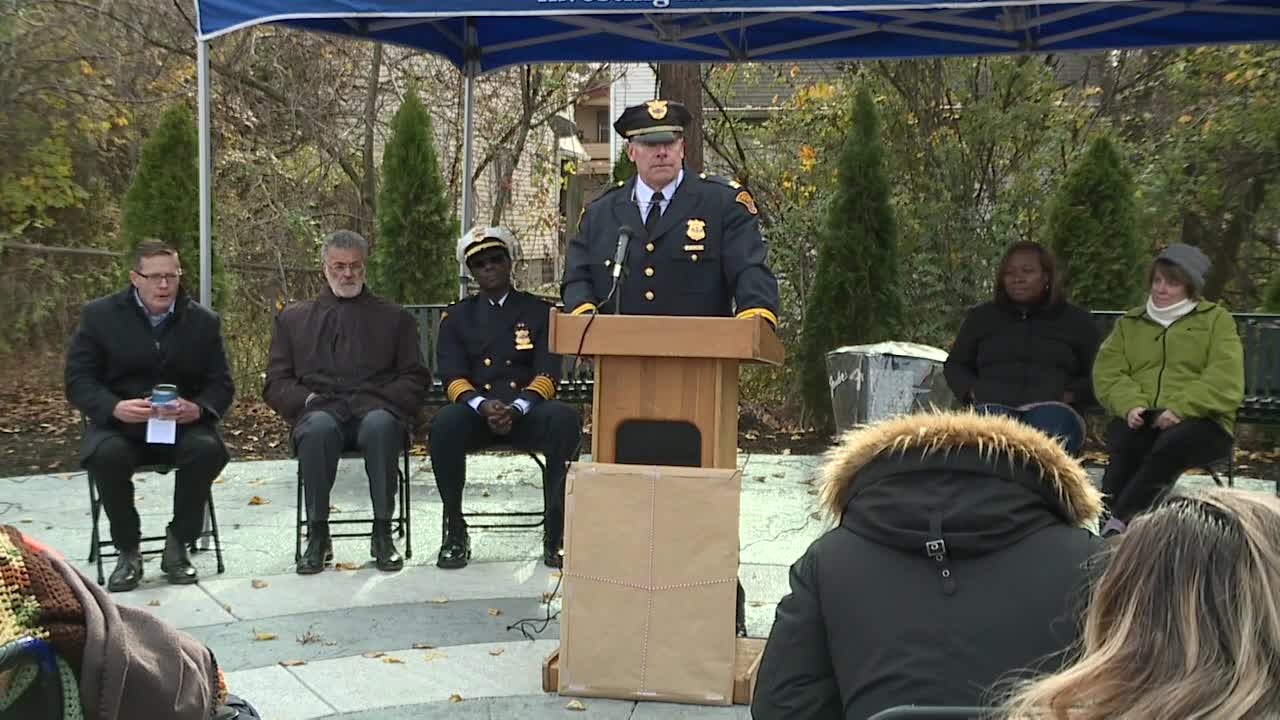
620 255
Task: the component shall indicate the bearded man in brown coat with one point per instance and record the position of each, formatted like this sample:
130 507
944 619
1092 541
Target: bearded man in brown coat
346 371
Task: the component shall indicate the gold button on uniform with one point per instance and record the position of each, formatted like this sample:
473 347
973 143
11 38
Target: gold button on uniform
649 247
508 363
648 294
488 362
513 384
648 272
487 386
694 257
607 263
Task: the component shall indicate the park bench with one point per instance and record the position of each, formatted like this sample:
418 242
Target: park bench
575 383
1260 336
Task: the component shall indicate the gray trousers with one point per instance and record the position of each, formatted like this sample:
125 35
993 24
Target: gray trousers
319 440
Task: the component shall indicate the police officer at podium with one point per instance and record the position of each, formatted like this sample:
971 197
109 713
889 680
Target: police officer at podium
501 379
690 244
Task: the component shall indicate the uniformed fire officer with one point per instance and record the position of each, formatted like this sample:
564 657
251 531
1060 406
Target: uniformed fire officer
501 380
694 245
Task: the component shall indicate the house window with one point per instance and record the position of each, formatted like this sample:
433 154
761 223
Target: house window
602 126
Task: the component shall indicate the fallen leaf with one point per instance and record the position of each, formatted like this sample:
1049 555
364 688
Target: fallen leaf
346 566
226 606
439 600
786 451
308 637
373 654
434 655
25 520
154 603
258 584
392 660
494 612
575 705
219 481
256 481
455 698
497 651
264 636
423 646
292 663
257 500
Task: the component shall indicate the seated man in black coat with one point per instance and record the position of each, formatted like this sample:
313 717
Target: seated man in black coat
127 343
501 379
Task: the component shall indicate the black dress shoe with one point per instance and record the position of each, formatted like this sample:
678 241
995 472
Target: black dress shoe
455 545
175 563
383 549
319 550
128 572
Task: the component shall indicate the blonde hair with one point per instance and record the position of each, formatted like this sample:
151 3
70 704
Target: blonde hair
1184 623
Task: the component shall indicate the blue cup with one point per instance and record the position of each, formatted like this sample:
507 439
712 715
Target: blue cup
164 394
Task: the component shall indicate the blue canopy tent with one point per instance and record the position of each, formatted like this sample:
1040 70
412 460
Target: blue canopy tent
483 35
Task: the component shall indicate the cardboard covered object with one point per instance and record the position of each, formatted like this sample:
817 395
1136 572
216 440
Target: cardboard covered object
650 583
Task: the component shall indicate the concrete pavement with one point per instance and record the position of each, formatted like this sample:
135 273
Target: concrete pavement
421 643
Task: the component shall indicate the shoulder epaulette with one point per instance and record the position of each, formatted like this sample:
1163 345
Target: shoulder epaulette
721 180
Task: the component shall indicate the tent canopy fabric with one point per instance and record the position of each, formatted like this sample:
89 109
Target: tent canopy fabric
498 33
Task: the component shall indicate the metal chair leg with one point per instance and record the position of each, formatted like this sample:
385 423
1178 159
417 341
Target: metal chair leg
212 519
406 508
299 519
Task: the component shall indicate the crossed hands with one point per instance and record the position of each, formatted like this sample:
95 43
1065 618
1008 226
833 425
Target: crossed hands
1163 421
500 415
139 410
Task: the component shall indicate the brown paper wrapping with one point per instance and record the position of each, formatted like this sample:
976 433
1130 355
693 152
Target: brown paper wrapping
650 583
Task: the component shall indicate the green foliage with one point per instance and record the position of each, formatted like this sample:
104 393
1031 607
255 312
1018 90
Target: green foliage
623 168
164 201
1092 227
1271 299
855 297
413 260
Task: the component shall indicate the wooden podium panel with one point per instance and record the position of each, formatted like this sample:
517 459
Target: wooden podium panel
661 368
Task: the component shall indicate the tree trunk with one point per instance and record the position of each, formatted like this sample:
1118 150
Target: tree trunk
369 179
682 82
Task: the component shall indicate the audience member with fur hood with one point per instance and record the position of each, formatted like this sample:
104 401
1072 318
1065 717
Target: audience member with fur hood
961 555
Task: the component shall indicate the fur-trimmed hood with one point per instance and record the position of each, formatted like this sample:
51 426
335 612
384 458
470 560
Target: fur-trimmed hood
988 480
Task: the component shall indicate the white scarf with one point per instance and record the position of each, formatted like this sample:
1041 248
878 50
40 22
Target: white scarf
1168 315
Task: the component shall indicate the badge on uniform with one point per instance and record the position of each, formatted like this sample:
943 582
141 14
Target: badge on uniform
747 201
697 229
523 341
657 109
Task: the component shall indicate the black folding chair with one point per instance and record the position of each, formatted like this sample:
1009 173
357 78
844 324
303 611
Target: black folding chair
99 548
401 523
509 519
934 712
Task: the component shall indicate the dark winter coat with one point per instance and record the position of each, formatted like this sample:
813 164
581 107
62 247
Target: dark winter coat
1014 355
958 559
356 354
116 355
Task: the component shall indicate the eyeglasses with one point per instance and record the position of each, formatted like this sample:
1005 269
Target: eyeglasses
159 277
341 268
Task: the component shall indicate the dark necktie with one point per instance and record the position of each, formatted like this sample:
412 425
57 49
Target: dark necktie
655 212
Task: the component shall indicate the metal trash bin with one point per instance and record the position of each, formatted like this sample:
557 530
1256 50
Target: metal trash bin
873 382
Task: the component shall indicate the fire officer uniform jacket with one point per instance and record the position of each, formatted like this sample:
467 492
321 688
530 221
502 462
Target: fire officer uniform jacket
497 351
705 256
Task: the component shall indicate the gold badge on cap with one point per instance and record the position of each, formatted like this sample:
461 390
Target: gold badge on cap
657 109
697 229
747 201
523 341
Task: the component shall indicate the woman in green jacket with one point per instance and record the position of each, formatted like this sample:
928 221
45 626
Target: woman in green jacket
1172 375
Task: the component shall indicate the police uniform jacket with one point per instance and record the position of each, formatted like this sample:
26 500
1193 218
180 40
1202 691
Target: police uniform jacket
705 256
497 352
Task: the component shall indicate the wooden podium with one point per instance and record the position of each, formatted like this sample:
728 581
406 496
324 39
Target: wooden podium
666 387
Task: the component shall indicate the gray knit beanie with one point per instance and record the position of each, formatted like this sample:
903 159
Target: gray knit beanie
1192 261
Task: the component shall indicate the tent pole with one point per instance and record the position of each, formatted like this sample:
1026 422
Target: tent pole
206 209
470 69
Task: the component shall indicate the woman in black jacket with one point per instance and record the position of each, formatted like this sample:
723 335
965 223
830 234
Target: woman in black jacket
961 555
1028 353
